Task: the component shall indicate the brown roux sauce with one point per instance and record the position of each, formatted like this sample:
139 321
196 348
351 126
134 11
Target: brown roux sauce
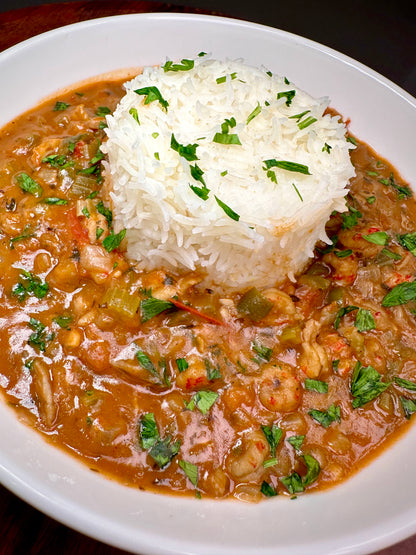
82 367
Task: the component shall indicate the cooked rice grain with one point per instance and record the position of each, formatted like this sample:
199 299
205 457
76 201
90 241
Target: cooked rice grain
281 213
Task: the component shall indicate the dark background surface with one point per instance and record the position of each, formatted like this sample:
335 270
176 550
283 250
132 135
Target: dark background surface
381 34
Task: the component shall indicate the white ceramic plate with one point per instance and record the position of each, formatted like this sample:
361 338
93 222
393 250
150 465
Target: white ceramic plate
373 509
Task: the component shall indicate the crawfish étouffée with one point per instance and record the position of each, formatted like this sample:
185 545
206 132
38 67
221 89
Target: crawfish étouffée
169 386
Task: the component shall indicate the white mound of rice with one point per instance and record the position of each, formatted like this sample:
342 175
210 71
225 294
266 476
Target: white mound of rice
276 215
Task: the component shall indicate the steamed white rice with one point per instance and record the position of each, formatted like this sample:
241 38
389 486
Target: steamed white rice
281 213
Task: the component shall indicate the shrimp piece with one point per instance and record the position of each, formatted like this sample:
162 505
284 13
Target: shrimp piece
284 309
282 300
194 377
313 360
391 277
48 146
249 461
279 389
345 269
340 351
353 239
96 262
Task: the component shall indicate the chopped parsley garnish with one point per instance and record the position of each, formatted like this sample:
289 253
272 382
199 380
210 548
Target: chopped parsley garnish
289 95
203 400
98 232
267 490
29 285
146 363
406 384
162 451
401 294
185 65
223 79
148 432
403 191
364 321
106 212
371 199
408 405
225 137
57 161
350 218
378 238
298 117
285 165
391 254
408 241
63 321
342 312
316 385
197 173
151 307
264 352
191 471
293 483
29 185
296 442
86 212
352 140
133 112
306 122
343 254
273 435
201 192
270 462
39 337
188 152
181 364
152 94
271 175
326 417
60 106
102 111
327 148
313 469
56 201
366 385
213 373
229 211
254 113
113 241
26 234
201 54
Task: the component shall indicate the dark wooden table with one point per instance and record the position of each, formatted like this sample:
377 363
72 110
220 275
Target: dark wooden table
23 529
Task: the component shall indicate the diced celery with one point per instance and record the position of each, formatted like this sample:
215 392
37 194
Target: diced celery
83 186
121 302
291 335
